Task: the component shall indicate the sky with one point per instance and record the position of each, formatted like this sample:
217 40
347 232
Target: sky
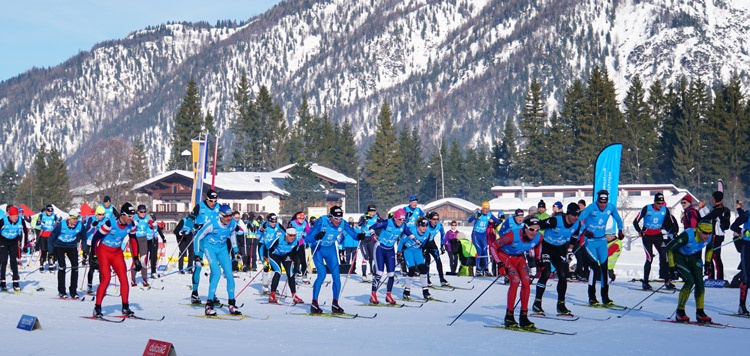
45 33
395 331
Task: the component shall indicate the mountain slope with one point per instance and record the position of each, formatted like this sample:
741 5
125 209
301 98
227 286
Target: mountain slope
456 68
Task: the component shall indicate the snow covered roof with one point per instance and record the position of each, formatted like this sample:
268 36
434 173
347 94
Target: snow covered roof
461 203
322 172
232 181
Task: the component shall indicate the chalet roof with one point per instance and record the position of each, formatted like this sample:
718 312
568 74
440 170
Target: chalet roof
322 173
231 181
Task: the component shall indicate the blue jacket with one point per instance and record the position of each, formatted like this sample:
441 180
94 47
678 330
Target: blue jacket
390 233
216 233
64 236
332 235
595 220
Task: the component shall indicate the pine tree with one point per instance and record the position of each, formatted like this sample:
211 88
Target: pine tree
383 161
138 163
272 132
244 126
689 112
658 107
57 176
9 181
304 189
639 138
505 155
346 161
412 165
532 127
187 125
455 171
729 116
583 131
560 140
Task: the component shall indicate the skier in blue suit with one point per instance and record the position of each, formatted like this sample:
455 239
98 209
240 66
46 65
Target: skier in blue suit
481 220
211 242
325 233
594 220
385 250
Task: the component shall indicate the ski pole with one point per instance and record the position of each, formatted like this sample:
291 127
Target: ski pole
726 243
248 283
474 301
639 303
160 276
351 266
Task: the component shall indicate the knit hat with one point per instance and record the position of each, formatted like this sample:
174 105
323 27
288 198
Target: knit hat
688 198
541 204
557 205
13 211
718 196
659 198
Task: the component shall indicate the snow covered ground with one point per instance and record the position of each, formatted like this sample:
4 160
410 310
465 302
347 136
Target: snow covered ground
415 331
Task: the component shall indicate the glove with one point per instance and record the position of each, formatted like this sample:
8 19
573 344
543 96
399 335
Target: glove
620 235
137 263
237 257
361 236
569 257
320 235
544 258
198 262
93 262
588 234
442 249
265 263
477 214
164 240
706 269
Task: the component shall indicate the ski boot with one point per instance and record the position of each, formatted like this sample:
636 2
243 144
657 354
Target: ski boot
97 311
444 283
272 298
194 298
146 285
62 296
561 309
426 294
668 285
335 308
681 316
210 308
16 286
296 299
524 321
374 298
407 294
133 283
389 299
592 296
233 308
126 312
537 307
701 316
742 310
3 287
510 321
646 286
605 296
314 308
90 289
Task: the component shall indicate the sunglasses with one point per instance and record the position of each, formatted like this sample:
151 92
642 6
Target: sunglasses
226 215
74 217
337 218
533 229
99 214
435 219
128 215
685 203
399 219
141 211
51 210
212 200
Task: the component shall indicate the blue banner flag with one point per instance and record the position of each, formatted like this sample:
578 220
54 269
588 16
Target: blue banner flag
607 171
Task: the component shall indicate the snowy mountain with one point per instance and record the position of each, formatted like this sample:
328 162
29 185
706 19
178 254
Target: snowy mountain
456 67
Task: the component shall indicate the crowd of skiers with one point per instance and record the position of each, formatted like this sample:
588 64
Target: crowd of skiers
229 241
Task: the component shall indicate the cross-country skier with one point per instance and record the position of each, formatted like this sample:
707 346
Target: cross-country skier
430 247
211 242
270 231
283 253
594 219
411 248
11 230
109 242
64 239
385 250
367 246
479 236
323 236
510 249
741 232
559 231
655 216
685 254
204 212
